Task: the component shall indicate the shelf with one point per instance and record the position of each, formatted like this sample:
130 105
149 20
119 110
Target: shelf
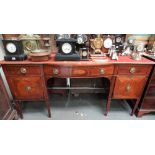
76 88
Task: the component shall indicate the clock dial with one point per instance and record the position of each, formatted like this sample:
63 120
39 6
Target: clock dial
118 39
80 40
66 48
84 53
11 47
140 48
107 43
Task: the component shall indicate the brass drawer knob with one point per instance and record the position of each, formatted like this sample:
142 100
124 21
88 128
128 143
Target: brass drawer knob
28 88
132 70
102 71
128 88
23 70
55 71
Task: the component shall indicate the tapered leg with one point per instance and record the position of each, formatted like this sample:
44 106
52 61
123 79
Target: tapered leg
19 108
108 106
135 107
112 81
48 108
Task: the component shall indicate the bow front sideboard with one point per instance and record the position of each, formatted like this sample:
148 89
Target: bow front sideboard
28 80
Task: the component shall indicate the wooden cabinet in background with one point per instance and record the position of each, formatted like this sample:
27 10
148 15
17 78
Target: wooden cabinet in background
6 111
147 103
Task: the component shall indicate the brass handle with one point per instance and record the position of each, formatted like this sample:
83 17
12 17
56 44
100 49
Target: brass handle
55 71
23 70
128 88
28 88
102 71
132 70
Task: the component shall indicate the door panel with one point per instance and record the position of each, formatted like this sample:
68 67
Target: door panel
129 86
26 88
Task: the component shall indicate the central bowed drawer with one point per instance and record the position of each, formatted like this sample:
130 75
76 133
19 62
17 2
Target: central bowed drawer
79 72
134 69
22 69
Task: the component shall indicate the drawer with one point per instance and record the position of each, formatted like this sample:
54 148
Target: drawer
26 88
129 87
134 69
22 69
79 72
151 91
100 71
148 104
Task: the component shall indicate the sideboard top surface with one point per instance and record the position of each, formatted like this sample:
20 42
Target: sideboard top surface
91 62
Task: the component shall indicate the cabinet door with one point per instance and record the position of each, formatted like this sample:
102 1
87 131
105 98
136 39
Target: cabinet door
127 87
5 107
26 88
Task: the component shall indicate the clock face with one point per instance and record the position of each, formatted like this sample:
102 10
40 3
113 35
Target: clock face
80 40
118 39
11 47
66 48
84 53
140 48
107 43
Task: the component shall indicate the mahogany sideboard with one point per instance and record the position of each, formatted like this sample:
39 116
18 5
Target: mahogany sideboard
6 110
28 80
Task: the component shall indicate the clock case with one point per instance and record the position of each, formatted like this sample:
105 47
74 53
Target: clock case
16 56
72 56
82 57
119 45
105 50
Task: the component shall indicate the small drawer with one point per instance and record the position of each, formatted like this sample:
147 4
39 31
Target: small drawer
101 71
148 103
79 72
22 70
133 69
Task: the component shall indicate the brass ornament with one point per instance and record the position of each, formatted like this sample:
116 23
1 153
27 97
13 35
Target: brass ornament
30 42
96 44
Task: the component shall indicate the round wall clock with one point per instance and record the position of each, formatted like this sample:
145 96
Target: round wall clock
11 48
